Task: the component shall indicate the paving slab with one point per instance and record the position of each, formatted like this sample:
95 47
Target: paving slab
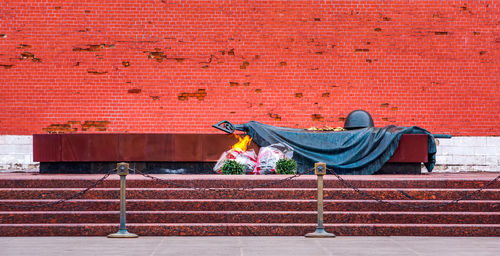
249 246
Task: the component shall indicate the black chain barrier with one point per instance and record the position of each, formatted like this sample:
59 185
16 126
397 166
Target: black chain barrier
180 185
405 205
76 195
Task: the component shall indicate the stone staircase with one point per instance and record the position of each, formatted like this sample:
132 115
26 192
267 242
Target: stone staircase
287 208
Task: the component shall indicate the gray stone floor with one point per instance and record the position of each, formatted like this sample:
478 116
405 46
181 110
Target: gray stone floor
245 246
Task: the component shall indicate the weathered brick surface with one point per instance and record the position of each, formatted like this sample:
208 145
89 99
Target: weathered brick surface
178 66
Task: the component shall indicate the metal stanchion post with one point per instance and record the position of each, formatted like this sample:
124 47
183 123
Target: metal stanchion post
122 170
320 170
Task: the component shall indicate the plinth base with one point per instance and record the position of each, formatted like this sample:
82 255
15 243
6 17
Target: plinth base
122 233
320 233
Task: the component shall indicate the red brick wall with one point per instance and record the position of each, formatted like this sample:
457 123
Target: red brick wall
181 66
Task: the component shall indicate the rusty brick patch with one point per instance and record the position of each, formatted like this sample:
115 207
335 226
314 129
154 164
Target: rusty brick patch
6 66
93 47
388 119
440 33
236 84
59 128
95 72
30 56
317 117
134 90
244 65
200 95
96 125
274 116
157 55
73 126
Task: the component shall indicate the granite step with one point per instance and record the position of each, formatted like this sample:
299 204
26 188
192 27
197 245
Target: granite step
250 217
262 229
249 205
277 193
235 181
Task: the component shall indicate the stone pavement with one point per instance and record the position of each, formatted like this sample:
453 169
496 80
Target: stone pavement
246 246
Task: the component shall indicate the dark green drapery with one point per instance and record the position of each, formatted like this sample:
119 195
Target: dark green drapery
361 151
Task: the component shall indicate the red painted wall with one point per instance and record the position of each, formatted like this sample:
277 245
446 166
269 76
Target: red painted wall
181 66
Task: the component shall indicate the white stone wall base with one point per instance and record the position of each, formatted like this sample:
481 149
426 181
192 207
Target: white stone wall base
16 153
468 153
463 168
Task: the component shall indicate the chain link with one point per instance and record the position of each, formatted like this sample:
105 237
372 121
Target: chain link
180 185
76 195
405 205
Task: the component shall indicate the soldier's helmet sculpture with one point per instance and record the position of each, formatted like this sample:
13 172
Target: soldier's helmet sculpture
358 119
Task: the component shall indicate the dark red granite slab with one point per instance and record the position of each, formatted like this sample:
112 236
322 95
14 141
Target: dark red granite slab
213 145
103 147
115 147
75 148
188 147
412 149
160 147
47 147
132 147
